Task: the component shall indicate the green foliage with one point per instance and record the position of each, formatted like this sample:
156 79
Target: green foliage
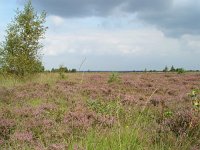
103 107
194 95
62 69
129 140
62 75
34 102
73 70
114 77
180 70
168 113
165 69
20 51
172 69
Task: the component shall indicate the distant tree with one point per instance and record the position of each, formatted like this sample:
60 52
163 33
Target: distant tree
20 51
165 69
73 70
52 70
62 69
172 69
180 70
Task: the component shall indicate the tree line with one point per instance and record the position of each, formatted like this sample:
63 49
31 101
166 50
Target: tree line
62 69
172 69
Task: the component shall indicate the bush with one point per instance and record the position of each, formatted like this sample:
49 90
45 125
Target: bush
183 123
73 70
180 70
165 69
172 69
114 77
195 97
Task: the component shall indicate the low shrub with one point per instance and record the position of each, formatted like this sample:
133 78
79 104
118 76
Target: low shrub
114 77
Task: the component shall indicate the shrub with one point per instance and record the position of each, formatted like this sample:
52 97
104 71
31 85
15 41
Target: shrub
180 70
73 70
114 77
62 71
102 107
194 95
165 69
182 123
172 69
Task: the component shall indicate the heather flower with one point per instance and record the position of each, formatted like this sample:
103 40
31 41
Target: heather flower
58 147
1 142
182 122
6 123
23 136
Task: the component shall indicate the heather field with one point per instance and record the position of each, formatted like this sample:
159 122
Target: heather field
100 111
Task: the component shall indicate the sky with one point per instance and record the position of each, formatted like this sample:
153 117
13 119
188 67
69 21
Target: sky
116 34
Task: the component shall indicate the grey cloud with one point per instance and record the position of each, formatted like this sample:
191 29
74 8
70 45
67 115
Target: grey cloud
84 8
78 8
147 5
174 20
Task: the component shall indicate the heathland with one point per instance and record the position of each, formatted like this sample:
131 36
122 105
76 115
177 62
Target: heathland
100 111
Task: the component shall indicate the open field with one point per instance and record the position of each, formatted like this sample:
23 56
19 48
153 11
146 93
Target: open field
100 111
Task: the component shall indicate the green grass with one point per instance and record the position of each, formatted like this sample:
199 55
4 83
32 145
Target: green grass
35 102
43 78
127 139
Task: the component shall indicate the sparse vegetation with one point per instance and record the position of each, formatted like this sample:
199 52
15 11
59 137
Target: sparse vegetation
48 112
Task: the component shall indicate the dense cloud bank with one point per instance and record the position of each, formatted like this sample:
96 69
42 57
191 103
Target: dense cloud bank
174 17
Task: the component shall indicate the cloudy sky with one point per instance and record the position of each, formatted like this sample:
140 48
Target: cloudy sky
116 34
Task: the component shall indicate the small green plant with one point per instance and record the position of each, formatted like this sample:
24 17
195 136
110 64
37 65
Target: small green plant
102 107
114 77
62 71
62 75
194 95
168 114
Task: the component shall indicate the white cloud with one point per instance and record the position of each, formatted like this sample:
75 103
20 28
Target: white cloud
113 42
190 43
55 20
134 41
